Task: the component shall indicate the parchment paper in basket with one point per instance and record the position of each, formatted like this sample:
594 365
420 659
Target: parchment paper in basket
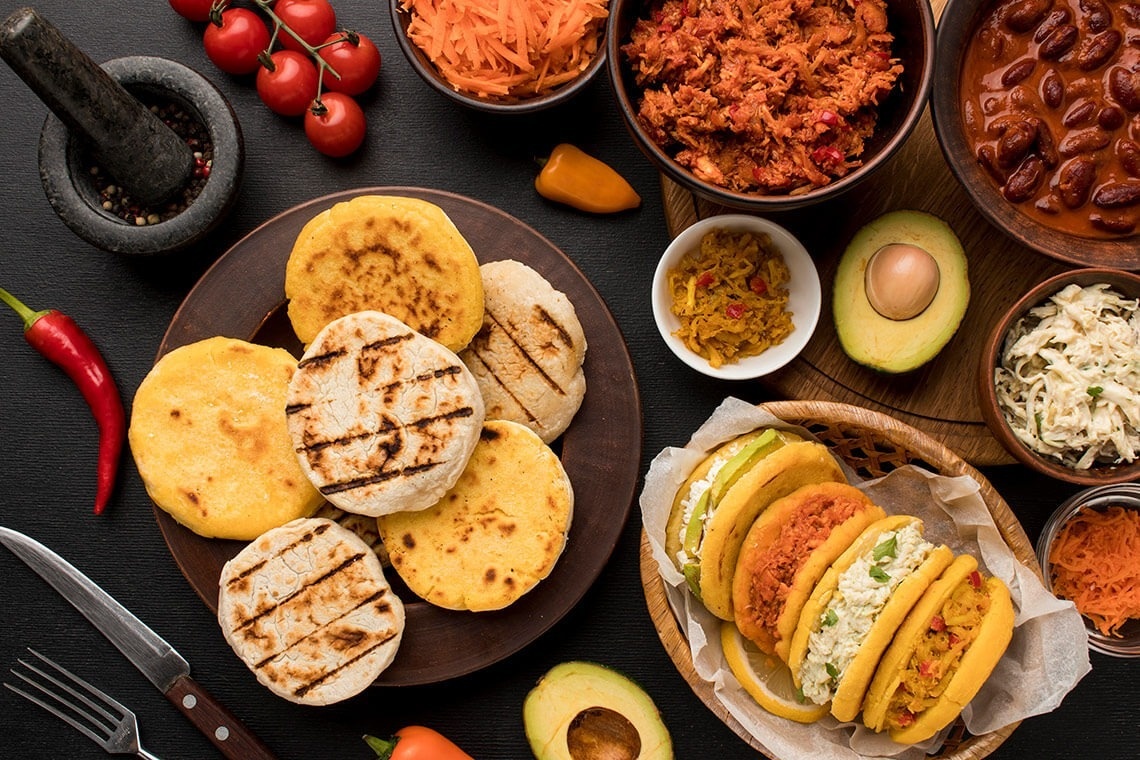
1046 658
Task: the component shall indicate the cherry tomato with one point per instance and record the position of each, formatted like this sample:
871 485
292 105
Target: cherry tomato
335 125
290 85
235 43
195 10
355 58
312 20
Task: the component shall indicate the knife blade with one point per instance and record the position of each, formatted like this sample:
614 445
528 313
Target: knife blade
145 649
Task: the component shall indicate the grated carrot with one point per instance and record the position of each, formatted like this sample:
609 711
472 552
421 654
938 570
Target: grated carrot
1096 565
507 47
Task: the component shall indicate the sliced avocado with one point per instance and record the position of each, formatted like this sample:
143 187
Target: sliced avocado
900 345
741 461
585 711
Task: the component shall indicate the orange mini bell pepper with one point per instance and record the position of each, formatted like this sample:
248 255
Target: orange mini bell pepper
416 743
574 177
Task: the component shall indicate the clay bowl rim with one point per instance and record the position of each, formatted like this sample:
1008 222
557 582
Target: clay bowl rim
155 76
906 106
427 71
955 29
1125 282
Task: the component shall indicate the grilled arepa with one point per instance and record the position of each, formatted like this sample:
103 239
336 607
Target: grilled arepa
383 419
307 608
496 534
209 439
401 256
527 357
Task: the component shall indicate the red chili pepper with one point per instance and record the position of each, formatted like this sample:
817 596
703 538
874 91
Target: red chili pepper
416 743
60 340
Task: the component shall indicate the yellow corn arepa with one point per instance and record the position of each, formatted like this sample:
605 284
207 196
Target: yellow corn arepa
787 550
903 586
498 531
932 670
402 256
527 357
307 608
796 464
209 439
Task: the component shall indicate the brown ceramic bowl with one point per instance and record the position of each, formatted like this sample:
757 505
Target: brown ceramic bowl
427 71
1125 283
911 22
955 30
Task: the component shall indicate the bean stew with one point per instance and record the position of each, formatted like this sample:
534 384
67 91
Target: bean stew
1050 95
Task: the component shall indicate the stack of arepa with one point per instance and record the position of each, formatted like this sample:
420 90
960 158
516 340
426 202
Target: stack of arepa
417 421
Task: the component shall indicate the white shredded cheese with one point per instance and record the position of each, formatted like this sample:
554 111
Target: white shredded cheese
1068 381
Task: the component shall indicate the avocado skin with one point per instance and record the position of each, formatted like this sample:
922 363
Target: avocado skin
897 346
568 689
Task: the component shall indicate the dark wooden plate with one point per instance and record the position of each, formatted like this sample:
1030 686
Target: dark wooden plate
242 296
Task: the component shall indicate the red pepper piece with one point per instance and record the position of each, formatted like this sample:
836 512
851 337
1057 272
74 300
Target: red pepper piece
60 340
758 285
937 624
705 279
734 310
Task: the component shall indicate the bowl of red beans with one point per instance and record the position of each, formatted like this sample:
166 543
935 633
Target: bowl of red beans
1036 105
774 108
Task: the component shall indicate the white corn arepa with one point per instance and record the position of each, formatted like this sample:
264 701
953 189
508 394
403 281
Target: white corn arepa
496 534
362 525
401 256
307 608
383 419
527 357
209 439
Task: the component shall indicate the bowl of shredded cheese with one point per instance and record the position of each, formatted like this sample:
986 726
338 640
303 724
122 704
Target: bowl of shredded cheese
509 56
736 296
1089 552
1059 377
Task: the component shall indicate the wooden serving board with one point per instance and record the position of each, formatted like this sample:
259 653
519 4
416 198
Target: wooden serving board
938 398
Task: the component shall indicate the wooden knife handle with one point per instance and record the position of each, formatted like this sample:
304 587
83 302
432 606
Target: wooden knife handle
218 724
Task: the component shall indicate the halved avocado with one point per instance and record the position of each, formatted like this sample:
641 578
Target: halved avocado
585 711
893 345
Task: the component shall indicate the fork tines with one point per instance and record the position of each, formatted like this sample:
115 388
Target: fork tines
88 710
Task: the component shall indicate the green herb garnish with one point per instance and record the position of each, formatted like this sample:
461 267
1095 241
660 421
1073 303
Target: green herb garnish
832 671
831 618
1095 390
888 548
879 574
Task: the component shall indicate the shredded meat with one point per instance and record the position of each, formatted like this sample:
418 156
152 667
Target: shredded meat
768 96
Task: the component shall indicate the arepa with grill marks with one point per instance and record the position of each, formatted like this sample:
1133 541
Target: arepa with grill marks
307 608
383 419
527 357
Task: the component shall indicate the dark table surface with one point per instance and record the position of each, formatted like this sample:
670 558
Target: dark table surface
415 138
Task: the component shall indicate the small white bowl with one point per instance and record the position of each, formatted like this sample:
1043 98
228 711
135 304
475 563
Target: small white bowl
803 297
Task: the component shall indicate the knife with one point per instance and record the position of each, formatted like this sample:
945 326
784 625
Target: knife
146 650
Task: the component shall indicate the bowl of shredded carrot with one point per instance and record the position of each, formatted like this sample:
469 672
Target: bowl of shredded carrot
504 56
1089 552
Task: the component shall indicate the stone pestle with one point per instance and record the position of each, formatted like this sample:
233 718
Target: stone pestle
142 153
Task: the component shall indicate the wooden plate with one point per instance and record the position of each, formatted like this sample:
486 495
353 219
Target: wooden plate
937 398
242 296
873 444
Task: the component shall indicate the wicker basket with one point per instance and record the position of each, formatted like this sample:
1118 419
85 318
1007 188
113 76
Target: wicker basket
873 444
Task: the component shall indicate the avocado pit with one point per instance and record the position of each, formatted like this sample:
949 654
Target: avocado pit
598 733
901 280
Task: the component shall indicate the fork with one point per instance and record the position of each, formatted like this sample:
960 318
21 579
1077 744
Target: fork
100 718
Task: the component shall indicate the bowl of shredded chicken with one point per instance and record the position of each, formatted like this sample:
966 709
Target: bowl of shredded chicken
774 104
736 296
1062 377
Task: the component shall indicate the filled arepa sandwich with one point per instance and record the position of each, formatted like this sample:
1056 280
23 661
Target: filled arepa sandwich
855 609
942 654
715 507
787 550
